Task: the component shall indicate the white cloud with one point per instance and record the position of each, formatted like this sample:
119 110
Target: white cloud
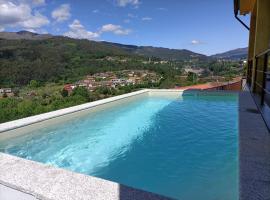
124 3
32 3
77 30
11 13
20 15
95 11
31 30
62 13
116 29
36 21
146 18
2 29
38 2
196 42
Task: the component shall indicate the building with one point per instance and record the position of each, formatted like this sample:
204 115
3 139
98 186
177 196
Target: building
254 139
195 71
69 88
6 92
258 72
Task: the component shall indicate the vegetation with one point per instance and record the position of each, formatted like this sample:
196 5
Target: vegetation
38 69
52 97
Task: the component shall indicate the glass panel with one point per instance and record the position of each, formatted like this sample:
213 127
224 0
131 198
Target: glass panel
268 66
267 99
267 82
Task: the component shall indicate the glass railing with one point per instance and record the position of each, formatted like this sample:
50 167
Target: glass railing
262 77
249 72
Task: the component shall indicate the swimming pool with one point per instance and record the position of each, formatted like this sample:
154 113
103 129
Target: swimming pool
181 146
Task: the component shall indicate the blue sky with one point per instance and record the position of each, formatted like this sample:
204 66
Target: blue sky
204 26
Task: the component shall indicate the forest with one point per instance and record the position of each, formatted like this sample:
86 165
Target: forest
43 67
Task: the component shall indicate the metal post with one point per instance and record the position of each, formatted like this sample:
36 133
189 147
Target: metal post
255 75
264 77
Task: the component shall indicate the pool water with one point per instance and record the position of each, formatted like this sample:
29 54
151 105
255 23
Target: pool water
183 147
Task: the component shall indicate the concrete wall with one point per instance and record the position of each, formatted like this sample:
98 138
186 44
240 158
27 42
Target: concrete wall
259 38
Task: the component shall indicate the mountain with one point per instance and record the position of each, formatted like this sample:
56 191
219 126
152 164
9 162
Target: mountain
160 52
54 59
236 54
147 51
26 56
26 35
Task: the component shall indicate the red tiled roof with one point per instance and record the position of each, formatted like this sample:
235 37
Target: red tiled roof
208 86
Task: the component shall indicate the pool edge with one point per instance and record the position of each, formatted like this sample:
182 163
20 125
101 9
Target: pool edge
22 175
7 126
39 181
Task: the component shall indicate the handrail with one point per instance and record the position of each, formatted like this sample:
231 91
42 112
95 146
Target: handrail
263 53
261 86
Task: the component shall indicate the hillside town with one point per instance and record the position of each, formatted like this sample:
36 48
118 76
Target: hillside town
115 80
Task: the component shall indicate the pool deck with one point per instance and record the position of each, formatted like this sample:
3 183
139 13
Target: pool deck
28 180
22 179
254 151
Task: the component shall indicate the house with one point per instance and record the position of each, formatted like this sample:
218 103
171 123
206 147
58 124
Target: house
6 92
196 71
69 88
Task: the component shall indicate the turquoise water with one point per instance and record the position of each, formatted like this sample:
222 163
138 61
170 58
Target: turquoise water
184 148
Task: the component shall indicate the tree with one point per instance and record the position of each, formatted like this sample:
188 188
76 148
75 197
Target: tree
81 91
34 84
192 77
64 93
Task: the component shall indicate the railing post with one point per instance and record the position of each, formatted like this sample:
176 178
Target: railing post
264 77
249 72
255 74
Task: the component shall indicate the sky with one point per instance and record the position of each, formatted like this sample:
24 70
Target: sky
203 26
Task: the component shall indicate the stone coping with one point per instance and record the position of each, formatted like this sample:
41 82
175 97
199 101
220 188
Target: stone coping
50 115
50 183
42 117
254 151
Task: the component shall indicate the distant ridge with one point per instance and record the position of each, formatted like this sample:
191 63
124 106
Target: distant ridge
160 52
236 54
24 35
147 51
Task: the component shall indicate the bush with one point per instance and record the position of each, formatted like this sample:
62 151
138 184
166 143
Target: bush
192 77
34 84
81 91
64 93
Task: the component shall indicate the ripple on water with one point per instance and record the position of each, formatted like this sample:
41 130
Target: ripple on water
185 148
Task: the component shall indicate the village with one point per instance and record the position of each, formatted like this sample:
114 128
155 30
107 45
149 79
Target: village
119 79
115 80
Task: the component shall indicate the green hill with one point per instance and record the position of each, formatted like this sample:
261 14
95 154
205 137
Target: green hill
26 56
159 52
52 59
236 54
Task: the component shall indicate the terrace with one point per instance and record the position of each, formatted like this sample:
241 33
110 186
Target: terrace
21 178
